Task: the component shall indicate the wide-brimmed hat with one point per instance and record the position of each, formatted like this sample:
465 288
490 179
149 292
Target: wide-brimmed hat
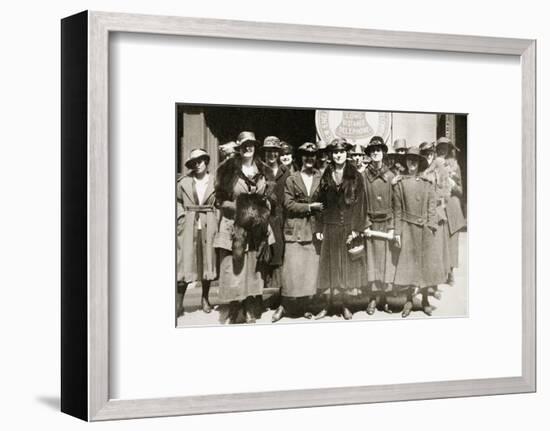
357 149
246 137
339 144
414 153
446 141
307 148
271 143
376 142
196 154
427 147
400 144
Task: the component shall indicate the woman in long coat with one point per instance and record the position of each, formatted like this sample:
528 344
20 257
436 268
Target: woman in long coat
342 193
243 236
196 227
301 261
380 252
415 226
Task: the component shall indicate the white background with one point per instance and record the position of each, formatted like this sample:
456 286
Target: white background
150 73
29 222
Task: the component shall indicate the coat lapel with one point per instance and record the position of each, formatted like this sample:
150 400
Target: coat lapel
187 186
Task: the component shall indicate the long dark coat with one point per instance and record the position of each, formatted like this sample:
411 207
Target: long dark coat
301 262
344 212
415 222
189 212
381 254
276 220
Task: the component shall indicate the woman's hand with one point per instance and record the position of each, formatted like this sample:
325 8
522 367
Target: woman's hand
397 241
319 236
316 206
367 232
352 236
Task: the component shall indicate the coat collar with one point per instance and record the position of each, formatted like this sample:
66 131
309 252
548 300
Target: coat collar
372 173
188 188
302 186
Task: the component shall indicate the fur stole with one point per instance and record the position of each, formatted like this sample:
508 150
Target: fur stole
351 182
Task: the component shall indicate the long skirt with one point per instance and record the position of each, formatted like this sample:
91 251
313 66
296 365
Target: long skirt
436 259
453 249
381 256
300 270
338 272
420 261
236 285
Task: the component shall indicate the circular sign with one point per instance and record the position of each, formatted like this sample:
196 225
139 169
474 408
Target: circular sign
357 127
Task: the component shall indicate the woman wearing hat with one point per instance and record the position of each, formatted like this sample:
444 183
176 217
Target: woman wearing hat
244 235
276 174
415 224
342 193
395 160
286 157
359 157
322 156
455 216
437 254
380 252
197 227
301 261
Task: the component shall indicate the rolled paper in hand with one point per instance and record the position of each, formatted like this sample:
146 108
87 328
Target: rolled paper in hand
381 235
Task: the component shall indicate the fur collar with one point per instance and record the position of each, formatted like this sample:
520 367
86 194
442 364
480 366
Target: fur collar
372 173
351 181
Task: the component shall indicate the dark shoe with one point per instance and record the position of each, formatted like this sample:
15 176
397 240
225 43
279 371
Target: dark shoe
206 307
321 314
407 308
346 314
371 308
308 315
387 308
278 315
427 309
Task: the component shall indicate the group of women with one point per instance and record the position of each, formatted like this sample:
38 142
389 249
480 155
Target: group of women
335 227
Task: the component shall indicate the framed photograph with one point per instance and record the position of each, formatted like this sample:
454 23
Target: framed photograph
260 216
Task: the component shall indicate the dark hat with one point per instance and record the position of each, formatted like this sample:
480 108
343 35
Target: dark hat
357 149
246 137
414 153
307 148
196 154
400 144
286 148
339 144
376 142
272 143
427 147
446 141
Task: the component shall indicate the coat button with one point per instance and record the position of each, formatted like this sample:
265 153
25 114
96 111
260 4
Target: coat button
379 197
419 220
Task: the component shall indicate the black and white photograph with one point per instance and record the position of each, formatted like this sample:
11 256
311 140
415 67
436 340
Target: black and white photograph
295 215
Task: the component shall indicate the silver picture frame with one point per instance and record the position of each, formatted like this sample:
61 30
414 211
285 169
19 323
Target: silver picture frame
85 215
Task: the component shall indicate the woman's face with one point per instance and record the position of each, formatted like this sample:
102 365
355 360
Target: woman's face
271 156
357 159
401 151
198 166
308 161
339 156
412 166
247 150
376 154
286 159
430 156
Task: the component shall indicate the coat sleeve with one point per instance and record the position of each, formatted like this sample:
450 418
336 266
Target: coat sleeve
432 216
180 212
359 218
397 196
292 207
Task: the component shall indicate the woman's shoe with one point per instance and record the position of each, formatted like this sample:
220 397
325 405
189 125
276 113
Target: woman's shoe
205 305
407 308
321 314
371 308
278 315
346 313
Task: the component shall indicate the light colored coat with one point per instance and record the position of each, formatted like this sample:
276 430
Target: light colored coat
189 212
